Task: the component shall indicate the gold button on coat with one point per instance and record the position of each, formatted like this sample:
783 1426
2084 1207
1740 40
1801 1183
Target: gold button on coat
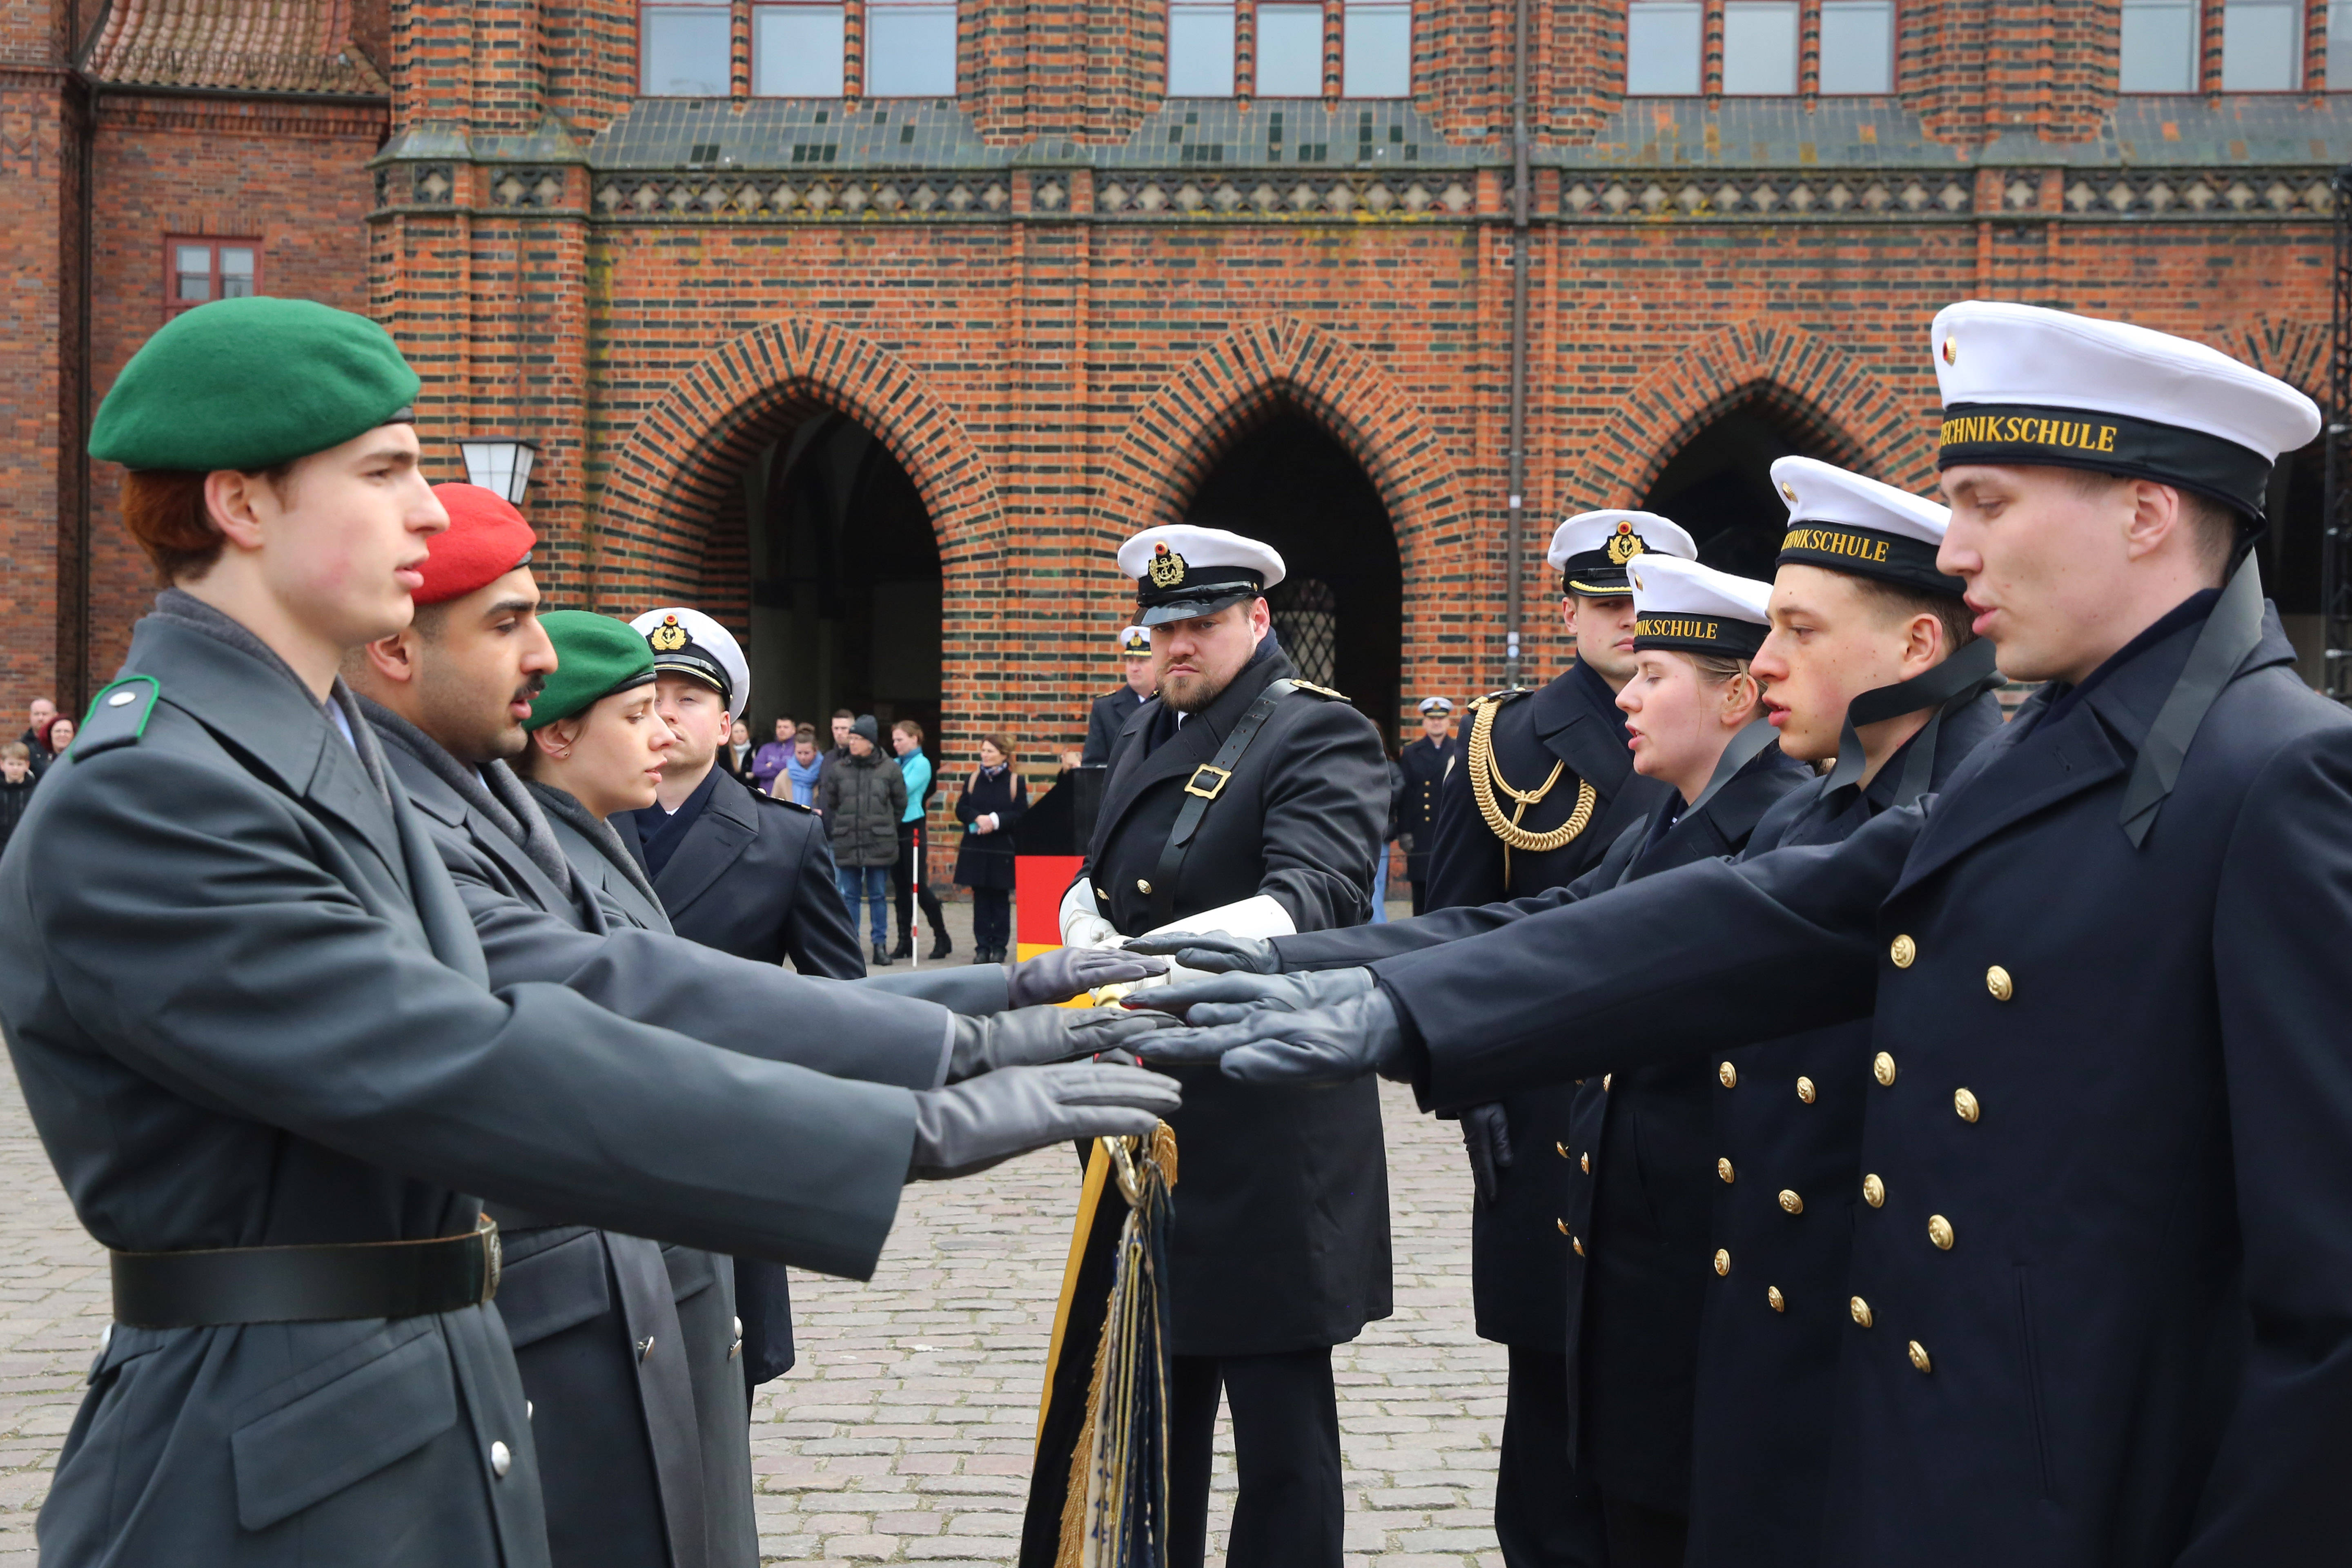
1604 1082
1729 1076
1861 1311
1722 1169
1584 1162
1902 950
1578 1243
1997 982
1792 1202
1805 1089
1722 1261
1142 886
1563 1225
1919 1357
1563 1150
1772 1294
1881 1067
1965 1103
1873 1190
1939 1231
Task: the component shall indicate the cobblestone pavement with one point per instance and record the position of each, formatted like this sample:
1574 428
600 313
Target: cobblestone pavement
904 1434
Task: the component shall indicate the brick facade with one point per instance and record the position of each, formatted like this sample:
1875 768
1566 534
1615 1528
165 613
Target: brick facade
1059 300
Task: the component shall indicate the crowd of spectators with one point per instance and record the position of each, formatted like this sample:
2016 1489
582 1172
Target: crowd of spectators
24 760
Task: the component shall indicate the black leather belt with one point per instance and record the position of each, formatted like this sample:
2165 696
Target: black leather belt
306 1284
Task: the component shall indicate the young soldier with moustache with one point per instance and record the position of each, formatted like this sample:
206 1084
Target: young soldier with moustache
254 1027
2100 1300
645 1458
1242 799
1633 1211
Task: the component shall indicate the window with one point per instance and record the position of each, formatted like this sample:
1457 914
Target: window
2158 46
2339 45
1663 46
203 269
2261 46
911 48
1759 46
1200 49
796 51
1375 48
1289 51
1857 45
683 50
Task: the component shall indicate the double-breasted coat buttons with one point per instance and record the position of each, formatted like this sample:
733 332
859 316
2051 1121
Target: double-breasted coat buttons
1873 1190
1996 981
1903 951
1792 1202
1939 1231
1881 1067
1861 1311
1722 1261
1805 1089
1722 1169
1727 1074
1964 1104
1919 1357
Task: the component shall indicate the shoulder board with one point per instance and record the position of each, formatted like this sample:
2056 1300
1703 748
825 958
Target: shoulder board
1325 693
787 804
117 716
1497 699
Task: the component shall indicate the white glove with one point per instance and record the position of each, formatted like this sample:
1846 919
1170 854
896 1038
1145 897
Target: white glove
1082 922
1261 918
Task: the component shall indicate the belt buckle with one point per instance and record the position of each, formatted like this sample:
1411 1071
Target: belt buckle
493 1257
1192 785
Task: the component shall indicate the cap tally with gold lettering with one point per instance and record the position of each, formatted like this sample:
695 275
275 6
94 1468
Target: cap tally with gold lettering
1589 550
1690 608
1847 524
2024 385
688 642
1182 570
1136 642
486 538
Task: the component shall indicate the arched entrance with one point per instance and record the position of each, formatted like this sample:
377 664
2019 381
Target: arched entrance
1719 485
833 558
1339 609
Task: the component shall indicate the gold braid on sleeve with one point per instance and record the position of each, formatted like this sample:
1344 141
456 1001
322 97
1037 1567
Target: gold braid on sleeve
1486 778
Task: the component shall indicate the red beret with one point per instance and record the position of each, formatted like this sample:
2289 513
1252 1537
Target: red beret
486 538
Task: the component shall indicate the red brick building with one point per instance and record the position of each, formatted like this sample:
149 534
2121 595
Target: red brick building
872 325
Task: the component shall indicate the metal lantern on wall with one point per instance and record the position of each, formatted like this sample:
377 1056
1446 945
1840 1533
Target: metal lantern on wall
500 464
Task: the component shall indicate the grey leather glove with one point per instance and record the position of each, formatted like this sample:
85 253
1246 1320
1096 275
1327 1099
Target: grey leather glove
969 1127
1335 1044
1068 972
1487 1139
1212 953
1228 997
1033 1037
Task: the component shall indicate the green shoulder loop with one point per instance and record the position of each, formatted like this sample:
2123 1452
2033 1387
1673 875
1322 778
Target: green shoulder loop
118 715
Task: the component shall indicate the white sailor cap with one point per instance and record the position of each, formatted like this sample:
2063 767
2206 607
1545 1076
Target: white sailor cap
1134 642
1860 526
1682 604
2024 385
1182 570
688 642
1437 705
1589 550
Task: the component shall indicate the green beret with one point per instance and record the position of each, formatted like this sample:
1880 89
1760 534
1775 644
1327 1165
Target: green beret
596 656
249 383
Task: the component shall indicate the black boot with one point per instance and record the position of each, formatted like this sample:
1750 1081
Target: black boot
941 945
881 957
905 948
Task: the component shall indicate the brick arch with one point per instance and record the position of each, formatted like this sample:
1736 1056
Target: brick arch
1825 389
669 480
2292 350
1175 437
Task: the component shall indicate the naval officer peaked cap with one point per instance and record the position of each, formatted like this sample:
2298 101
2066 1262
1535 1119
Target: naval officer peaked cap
1437 705
596 656
250 384
1136 642
1182 570
2024 385
1589 550
1862 527
687 642
1691 608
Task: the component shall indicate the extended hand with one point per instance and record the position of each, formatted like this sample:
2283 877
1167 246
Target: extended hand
1068 972
969 1127
1337 1044
1212 953
1487 1139
1229 998
1033 1037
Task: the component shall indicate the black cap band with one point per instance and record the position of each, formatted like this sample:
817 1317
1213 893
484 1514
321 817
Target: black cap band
1867 552
692 662
2019 434
1172 589
1719 635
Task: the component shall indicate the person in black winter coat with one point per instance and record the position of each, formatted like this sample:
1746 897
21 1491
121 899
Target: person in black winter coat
993 800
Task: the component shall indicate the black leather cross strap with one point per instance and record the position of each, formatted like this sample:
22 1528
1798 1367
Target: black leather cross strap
1207 782
306 1284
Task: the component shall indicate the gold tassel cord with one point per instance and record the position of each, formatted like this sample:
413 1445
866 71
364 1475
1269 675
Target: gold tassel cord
1486 778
